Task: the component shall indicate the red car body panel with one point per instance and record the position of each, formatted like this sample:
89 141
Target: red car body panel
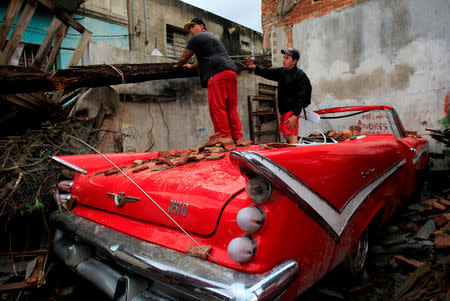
206 186
341 187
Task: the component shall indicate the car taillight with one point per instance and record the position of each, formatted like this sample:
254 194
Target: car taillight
65 185
242 249
63 198
250 219
258 189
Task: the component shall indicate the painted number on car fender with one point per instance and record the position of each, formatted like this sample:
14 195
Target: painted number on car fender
178 208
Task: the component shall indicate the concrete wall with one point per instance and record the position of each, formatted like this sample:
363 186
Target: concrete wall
378 52
179 119
181 123
112 11
176 114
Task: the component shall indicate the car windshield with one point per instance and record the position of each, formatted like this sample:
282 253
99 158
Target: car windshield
363 122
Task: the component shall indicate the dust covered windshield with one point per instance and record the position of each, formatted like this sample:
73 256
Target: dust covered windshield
353 123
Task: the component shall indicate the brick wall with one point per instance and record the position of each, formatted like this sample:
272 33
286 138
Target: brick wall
278 13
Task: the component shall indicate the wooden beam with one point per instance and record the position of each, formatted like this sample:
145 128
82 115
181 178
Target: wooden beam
82 44
20 102
76 57
36 99
60 35
22 80
14 286
8 19
47 43
63 15
18 32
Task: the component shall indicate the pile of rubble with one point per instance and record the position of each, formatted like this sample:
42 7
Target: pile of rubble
166 160
27 180
441 136
408 258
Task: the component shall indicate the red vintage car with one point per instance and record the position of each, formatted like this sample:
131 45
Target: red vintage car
262 222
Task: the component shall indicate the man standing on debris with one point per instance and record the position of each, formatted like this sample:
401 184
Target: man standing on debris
218 74
294 91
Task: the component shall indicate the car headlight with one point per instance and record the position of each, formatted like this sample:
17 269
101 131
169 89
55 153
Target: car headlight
242 249
259 189
250 219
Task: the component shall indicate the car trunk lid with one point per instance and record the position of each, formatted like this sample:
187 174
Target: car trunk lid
187 193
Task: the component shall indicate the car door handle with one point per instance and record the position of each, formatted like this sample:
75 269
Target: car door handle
367 173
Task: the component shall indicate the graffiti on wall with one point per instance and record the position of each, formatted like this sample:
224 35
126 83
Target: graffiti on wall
374 123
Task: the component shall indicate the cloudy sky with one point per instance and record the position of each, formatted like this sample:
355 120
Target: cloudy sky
245 12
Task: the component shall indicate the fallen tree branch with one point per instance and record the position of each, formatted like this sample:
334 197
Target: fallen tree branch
22 80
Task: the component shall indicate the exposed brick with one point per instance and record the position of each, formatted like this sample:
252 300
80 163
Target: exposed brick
429 202
199 252
444 202
446 227
438 206
442 219
442 241
302 11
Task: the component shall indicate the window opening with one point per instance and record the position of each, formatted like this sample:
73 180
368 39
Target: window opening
175 40
25 54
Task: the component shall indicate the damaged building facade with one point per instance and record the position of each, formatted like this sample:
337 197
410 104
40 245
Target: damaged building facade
364 52
166 114
148 116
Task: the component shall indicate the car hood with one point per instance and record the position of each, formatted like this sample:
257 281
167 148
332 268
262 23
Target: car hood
192 194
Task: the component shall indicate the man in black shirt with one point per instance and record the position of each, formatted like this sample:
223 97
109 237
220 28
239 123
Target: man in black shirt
218 74
294 91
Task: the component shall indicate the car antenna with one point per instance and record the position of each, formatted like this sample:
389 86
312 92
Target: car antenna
135 184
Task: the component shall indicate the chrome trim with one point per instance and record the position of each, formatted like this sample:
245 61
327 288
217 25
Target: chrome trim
367 173
103 277
178 208
120 199
418 155
306 198
201 279
69 165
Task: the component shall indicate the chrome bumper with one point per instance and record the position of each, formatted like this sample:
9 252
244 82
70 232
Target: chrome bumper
127 268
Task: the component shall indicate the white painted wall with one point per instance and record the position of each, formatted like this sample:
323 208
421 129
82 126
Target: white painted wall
168 125
388 52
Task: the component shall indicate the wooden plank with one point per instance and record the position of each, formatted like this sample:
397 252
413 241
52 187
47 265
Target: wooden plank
36 99
60 35
20 102
18 32
267 91
47 43
262 113
82 44
76 57
8 19
266 132
63 15
263 97
22 80
14 286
